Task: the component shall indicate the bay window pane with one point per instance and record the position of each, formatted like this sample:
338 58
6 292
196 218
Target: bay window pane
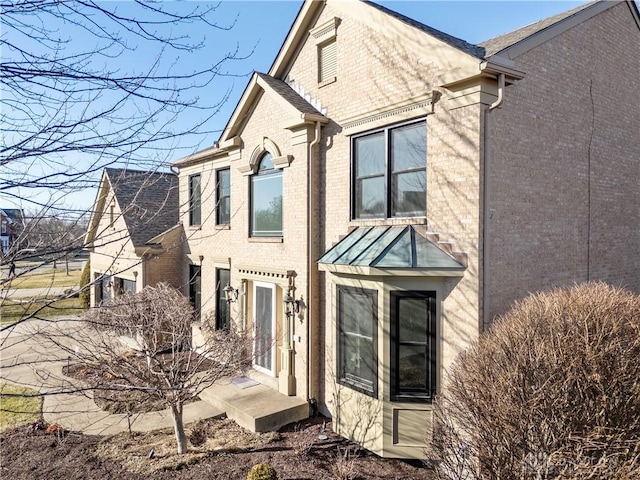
412 367
412 318
357 324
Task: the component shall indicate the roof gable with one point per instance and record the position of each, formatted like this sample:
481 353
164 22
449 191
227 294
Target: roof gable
148 202
300 109
450 52
515 43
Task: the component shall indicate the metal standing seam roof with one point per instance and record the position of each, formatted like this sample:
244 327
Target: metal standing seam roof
398 247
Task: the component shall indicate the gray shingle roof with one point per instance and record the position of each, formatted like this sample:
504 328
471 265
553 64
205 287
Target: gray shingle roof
149 201
15 214
289 94
458 43
501 42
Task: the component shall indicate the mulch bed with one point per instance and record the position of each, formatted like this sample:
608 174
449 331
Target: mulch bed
27 454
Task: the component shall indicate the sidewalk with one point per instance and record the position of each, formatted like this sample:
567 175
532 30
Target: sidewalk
23 363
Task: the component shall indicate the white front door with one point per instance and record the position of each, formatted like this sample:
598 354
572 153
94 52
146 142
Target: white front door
264 327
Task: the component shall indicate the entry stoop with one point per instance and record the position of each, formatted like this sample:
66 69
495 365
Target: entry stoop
256 408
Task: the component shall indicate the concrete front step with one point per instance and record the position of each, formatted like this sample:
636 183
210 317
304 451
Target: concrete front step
256 408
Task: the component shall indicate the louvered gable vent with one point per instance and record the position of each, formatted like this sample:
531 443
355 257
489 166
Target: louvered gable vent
325 38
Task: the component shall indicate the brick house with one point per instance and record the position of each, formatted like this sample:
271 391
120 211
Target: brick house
11 223
134 236
386 189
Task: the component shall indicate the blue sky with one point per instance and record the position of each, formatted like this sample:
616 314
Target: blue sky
262 26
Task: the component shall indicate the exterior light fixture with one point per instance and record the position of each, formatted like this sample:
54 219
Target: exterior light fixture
294 307
230 293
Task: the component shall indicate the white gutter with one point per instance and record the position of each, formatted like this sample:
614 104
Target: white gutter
500 98
311 258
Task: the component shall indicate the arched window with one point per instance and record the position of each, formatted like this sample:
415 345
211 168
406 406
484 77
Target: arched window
266 199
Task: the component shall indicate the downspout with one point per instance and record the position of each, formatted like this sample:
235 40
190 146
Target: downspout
485 203
311 258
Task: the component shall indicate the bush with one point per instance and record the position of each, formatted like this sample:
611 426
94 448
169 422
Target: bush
85 280
262 471
550 392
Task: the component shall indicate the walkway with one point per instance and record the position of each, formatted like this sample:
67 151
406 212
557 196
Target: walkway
23 362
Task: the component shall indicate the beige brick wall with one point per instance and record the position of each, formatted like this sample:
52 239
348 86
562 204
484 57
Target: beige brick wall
114 254
375 70
569 127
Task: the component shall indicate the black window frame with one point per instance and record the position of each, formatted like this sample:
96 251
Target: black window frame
195 200
265 173
223 218
195 288
431 351
223 313
388 175
342 378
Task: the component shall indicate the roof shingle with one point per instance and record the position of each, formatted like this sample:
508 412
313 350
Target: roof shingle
149 201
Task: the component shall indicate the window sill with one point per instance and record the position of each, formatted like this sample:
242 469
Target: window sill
266 240
328 81
223 227
195 227
381 222
358 388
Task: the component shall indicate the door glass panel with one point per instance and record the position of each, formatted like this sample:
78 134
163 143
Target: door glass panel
264 338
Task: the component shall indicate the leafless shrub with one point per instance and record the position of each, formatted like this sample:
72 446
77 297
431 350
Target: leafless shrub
157 325
550 392
302 442
344 466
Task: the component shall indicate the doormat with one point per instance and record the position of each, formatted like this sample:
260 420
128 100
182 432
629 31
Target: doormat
244 382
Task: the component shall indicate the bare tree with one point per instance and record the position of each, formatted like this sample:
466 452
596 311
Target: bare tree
142 343
86 85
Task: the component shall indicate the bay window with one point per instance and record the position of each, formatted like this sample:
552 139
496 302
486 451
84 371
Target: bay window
357 339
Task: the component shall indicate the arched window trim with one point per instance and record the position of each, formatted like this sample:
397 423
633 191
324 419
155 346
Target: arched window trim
266 146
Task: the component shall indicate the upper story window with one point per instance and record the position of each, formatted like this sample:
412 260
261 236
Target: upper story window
266 199
413 346
195 200
223 196
195 288
389 172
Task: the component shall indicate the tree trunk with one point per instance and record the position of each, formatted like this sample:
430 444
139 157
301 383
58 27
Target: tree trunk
178 426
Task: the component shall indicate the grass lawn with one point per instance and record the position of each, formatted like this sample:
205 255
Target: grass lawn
13 311
50 278
17 409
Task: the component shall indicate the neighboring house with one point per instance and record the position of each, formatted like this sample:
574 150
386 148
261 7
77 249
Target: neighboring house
11 226
134 235
386 190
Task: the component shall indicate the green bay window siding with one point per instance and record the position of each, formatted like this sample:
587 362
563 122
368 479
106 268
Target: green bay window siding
195 200
223 196
266 200
357 339
413 346
389 172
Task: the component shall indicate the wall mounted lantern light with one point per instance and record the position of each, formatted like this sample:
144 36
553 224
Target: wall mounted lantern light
230 293
294 307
